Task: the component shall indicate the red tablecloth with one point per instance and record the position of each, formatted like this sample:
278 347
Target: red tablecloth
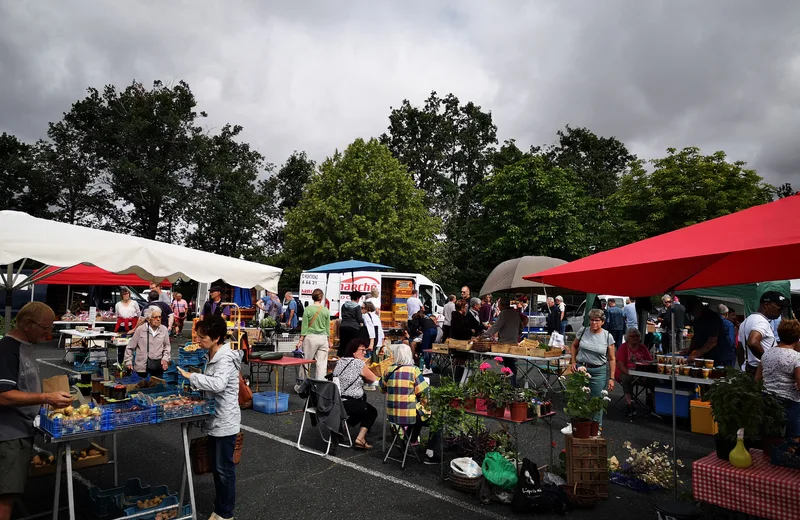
762 489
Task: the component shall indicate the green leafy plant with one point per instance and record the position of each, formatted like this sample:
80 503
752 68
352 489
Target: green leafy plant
737 402
444 415
580 404
774 416
267 323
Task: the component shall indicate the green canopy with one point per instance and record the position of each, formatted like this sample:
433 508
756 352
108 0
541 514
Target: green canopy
741 296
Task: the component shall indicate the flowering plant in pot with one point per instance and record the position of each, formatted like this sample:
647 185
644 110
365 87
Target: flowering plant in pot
521 402
581 406
494 387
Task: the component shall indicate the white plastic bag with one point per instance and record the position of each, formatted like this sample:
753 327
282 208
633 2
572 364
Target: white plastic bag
556 340
466 467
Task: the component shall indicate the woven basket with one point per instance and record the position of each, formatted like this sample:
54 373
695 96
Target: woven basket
465 484
201 457
482 346
580 497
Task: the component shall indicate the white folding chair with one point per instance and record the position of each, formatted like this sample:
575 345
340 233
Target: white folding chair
311 409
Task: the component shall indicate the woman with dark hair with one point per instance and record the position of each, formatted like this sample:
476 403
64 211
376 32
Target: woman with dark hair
220 380
352 322
425 324
352 371
459 327
780 370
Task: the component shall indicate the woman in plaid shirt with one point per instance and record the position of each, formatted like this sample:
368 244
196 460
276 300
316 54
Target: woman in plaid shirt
406 403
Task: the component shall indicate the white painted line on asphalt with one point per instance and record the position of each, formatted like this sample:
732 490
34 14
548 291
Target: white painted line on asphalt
389 478
46 361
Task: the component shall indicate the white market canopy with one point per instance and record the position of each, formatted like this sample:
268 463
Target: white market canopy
65 245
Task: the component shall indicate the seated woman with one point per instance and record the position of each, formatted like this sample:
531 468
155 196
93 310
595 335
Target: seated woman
151 346
407 402
780 370
352 371
631 352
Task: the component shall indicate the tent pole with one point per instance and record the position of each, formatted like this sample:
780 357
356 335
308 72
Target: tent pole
33 289
673 377
9 295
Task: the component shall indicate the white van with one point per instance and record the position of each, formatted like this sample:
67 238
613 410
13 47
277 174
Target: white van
575 319
337 287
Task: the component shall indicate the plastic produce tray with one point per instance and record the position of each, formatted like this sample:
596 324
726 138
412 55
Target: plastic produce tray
108 502
205 407
129 380
64 427
118 416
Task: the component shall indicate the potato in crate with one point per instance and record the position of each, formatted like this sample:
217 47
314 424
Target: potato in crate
127 414
62 422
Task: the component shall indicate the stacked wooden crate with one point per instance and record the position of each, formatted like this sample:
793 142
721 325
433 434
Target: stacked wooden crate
587 463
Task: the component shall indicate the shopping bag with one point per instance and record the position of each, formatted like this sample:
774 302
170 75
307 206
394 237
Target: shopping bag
556 340
245 394
499 471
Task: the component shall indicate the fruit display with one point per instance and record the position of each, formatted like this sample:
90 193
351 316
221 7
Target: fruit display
191 348
151 502
167 515
175 405
84 411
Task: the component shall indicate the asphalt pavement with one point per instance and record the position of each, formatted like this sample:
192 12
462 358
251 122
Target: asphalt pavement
276 480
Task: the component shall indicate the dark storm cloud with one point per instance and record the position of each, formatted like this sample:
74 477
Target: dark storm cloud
314 75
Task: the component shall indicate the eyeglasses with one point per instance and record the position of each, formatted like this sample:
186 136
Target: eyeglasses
595 319
668 301
155 317
361 348
46 329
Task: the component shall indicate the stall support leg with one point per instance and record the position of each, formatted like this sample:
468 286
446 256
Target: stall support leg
70 497
550 426
183 487
57 494
188 467
116 463
383 432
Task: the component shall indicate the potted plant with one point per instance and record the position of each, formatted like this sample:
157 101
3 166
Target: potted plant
772 428
736 402
521 401
450 392
441 400
581 406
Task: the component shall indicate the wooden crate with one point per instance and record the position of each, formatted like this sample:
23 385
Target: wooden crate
440 348
518 350
536 352
530 343
500 348
458 344
403 285
556 352
587 463
95 460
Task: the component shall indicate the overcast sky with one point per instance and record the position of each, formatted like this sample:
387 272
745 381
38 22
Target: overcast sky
314 75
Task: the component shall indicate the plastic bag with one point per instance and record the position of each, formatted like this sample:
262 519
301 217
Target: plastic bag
499 471
556 340
465 467
552 478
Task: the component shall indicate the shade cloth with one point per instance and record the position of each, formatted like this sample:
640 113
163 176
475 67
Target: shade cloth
90 275
758 244
57 243
348 266
508 276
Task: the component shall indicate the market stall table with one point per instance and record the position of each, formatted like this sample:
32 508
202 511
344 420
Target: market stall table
273 364
546 367
64 445
668 377
761 490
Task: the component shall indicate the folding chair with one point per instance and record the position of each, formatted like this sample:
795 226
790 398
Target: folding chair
401 440
314 387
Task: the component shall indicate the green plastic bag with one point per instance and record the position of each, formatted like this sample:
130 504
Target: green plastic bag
499 471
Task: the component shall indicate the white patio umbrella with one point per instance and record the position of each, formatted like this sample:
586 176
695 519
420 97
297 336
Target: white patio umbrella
507 276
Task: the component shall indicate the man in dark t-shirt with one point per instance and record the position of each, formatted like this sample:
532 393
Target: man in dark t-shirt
20 398
213 306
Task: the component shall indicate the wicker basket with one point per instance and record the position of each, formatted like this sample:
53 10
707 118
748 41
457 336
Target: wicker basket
580 497
482 346
465 484
201 457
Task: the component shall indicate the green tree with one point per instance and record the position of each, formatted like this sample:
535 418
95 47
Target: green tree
530 208
23 184
292 177
143 141
683 188
230 206
361 204
785 190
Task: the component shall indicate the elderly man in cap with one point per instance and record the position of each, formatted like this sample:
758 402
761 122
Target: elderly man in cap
213 306
20 398
755 332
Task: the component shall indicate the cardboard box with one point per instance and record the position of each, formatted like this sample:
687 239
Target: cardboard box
87 462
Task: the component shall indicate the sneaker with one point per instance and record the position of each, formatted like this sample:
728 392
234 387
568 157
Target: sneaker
427 371
630 411
432 460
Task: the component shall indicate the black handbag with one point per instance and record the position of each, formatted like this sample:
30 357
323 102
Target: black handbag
533 497
153 365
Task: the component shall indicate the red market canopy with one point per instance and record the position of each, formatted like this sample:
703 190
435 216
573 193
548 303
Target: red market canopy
757 244
89 275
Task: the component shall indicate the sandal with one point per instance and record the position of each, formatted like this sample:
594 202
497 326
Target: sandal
362 445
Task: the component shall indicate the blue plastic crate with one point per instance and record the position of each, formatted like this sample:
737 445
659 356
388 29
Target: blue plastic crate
171 500
130 380
66 426
265 402
205 407
88 366
107 502
663 401
120 415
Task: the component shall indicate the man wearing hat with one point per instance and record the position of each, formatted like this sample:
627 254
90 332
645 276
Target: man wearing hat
213 306
756 334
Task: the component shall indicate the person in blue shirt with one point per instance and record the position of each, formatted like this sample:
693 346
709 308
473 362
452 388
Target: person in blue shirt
615 321
290 311
728 326
631 319
271 305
